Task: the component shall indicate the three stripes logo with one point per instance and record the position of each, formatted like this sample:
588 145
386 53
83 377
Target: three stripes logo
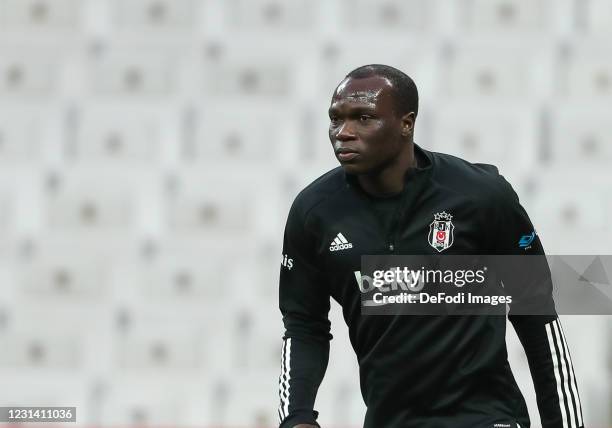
283 381
567 390
340 243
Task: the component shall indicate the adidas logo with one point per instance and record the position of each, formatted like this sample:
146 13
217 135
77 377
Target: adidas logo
340 243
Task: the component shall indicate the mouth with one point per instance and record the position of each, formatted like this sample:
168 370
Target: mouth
346 155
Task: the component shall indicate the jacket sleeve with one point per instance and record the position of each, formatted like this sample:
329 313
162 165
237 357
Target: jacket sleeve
304 304
534 317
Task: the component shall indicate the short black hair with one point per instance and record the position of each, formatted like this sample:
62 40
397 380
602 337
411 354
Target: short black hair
406 93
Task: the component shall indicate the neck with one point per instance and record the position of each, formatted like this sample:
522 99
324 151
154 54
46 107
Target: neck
389 179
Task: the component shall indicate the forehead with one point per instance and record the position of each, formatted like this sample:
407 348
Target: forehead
373 90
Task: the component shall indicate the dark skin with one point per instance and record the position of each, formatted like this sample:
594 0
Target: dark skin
371 139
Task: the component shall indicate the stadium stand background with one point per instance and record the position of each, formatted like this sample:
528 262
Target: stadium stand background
150 150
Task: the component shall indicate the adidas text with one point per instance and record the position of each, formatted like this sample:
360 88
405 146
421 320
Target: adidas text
338 247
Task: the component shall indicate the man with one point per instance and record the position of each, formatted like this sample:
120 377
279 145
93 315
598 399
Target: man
415 371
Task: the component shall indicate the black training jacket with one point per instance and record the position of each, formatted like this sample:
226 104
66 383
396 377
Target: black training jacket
415 371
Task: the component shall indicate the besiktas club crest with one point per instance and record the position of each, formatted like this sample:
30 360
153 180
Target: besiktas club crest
441 231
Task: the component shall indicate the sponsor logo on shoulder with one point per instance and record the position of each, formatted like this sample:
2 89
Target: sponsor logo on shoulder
340 243
286 261
526 240
441 230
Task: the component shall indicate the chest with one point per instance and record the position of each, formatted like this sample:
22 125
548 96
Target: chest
432 225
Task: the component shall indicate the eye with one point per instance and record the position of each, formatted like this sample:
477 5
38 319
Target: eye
364 118
333 120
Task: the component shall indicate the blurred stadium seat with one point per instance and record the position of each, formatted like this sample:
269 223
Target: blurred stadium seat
261 138
503 15
185 280
82 209
597 16
390 15
47 15
586 70
20 135
38 350
154 15
248 79
499 70
263 15
580 133
168 349
570 214
113 134
5 211
63 272
27 72
127 403
467 132
121 73
193 212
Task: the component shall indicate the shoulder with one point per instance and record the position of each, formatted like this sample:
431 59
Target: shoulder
480 181
318 192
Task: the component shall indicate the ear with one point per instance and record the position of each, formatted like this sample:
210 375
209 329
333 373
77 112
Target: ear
408 123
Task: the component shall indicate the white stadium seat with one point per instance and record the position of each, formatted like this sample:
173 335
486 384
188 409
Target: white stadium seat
256 409
219 213
237 78
64 270
580 133
498 69
83 209
598 16
154 15
127 403
113 134
168 349
20 134
388 15
185 280
125 74
6 206
262 138
27 72
39 350
500 15
47 15
570 207
262 15
587 71
504 135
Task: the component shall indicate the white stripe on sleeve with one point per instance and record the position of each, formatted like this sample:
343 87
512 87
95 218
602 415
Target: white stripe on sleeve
281 384
566 378
570 367
288 369
555 361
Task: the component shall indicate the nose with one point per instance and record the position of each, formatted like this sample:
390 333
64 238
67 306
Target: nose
344 132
